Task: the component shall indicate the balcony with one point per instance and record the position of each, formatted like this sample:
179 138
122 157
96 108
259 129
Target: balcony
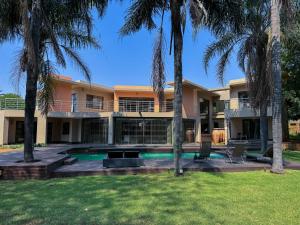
241 107
144 106
92 106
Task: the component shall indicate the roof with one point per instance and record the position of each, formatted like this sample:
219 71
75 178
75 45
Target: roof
138 88
195 86
81 83
237 82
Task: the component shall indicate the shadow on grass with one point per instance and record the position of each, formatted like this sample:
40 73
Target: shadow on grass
148 199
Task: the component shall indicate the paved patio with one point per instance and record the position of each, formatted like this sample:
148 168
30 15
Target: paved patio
86 167
51 164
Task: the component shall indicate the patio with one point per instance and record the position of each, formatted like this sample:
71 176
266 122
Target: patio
52 160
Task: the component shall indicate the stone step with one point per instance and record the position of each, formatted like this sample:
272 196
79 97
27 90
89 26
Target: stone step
70 161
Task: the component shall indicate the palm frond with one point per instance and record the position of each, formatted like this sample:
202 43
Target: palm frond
78 62
45 87
223 62
223 44
53 41
158 67
141 13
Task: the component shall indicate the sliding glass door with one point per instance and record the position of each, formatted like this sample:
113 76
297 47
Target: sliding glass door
143 131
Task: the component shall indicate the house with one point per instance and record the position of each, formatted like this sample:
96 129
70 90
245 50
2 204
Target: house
93 113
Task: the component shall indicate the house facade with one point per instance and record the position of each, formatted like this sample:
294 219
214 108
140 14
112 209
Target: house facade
132 115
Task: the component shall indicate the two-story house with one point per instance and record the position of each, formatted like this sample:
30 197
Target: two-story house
132 115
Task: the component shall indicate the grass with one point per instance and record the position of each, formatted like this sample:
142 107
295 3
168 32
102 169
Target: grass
291 155
196 198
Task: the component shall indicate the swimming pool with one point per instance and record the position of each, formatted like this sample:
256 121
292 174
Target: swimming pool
143 155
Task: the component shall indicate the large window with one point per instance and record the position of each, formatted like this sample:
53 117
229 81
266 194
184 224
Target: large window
136 104
95 130
143 131
94 102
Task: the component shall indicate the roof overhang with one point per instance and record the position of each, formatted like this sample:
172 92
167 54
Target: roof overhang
127 88
187 83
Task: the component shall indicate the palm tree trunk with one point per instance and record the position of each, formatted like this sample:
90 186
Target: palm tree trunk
277 166
263 126
285 122
177 123
31 81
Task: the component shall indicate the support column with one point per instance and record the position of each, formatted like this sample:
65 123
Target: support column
198 130
227 130
79 130
110 130
210 116
41 134
4 123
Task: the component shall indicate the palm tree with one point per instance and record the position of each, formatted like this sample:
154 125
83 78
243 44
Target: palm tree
276 6
202 12
277 166
45 26
251 39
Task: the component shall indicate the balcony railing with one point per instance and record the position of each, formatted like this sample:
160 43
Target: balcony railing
84 106
241 107
136 106
12 104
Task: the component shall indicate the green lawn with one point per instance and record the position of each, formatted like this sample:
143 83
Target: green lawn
292 155
196 198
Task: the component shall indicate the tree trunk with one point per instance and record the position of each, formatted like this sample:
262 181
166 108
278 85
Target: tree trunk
177 122
31 81
264 126
285 122
277 166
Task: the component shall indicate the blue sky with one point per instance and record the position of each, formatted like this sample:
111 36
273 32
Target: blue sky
127 60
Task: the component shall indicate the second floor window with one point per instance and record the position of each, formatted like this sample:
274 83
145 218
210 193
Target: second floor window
218 106
94 102
204 106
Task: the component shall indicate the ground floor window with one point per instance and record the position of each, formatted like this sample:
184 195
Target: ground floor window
251 129
188 130
205 126
143 131
95 130
19 134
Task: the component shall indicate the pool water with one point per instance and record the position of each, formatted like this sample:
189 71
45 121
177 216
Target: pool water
143 155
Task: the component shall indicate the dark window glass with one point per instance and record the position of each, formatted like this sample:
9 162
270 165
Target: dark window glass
66 128
94 102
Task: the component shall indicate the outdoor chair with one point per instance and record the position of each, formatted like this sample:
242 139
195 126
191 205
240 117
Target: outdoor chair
236 154
205 151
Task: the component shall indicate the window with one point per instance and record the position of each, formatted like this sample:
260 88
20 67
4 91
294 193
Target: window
204 106
218 106
219 123
94 102
66 128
